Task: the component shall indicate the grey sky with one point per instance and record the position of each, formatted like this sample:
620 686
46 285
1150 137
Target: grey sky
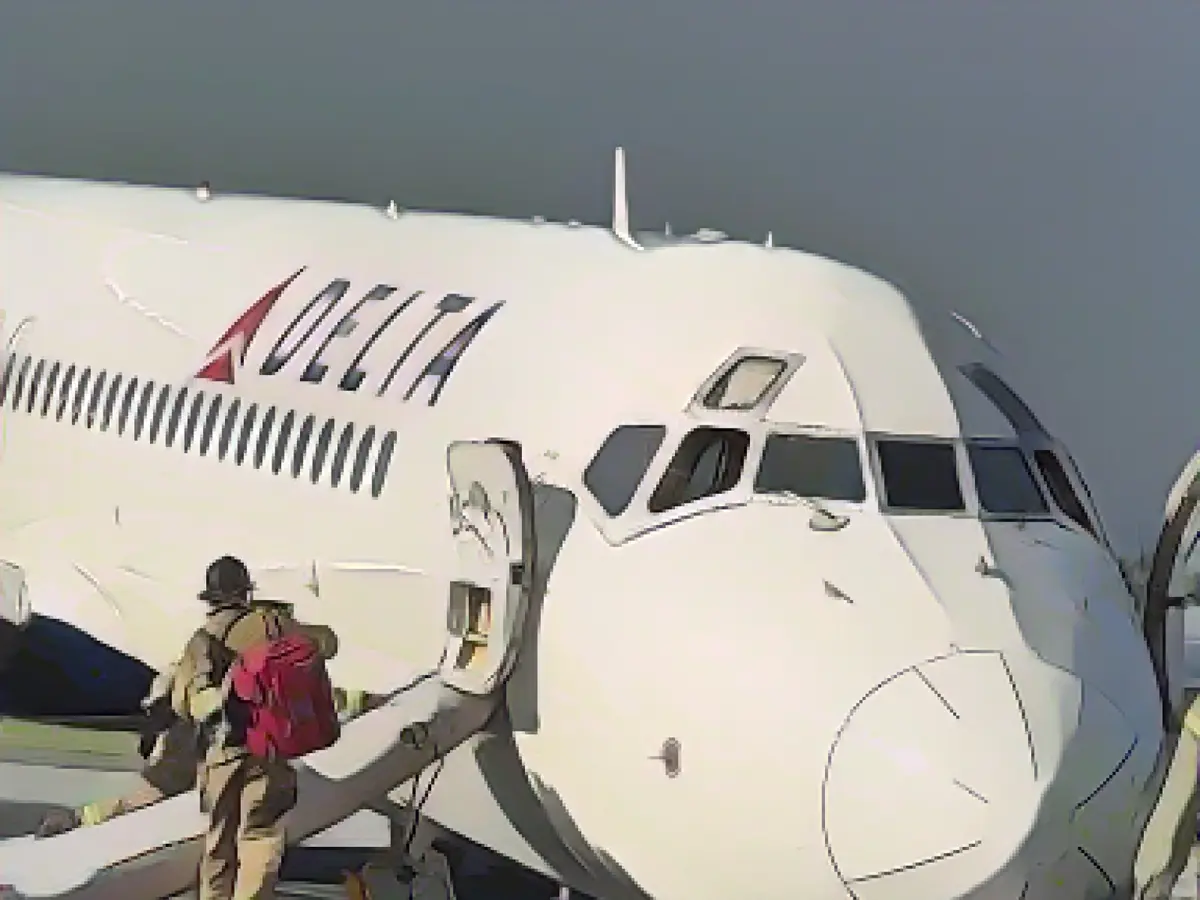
1029 164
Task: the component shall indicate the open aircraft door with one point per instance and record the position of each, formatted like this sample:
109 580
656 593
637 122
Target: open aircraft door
491 516
1170 582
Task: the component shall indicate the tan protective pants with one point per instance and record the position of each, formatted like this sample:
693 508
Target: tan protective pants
246 800
1171 830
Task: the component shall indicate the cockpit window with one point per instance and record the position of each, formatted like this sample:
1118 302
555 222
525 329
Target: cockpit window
919 475
1005 485
709 461
619 465
811 466
1060 488
745 383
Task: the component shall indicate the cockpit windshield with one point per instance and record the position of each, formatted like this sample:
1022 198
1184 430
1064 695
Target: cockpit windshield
919 475
1004 482
808 465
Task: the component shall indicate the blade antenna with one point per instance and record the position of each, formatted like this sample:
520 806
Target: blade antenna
620 219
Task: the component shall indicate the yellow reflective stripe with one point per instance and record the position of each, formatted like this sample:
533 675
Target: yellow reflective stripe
92 814
1191 721
349 701
206 702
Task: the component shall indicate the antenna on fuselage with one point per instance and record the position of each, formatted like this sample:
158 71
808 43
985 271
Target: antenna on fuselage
204 192
620 217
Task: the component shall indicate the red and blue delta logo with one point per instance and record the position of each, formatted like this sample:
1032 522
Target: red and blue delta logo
383 340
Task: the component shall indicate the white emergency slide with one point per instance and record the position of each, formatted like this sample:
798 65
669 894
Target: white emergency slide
154 852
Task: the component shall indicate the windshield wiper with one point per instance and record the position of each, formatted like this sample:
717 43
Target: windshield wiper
822 519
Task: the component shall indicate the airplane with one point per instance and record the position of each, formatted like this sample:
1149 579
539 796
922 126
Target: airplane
780 588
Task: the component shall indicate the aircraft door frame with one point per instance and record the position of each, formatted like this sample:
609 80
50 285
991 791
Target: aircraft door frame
1166 596
495 561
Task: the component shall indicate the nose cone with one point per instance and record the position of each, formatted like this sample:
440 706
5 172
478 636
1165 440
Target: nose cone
967 772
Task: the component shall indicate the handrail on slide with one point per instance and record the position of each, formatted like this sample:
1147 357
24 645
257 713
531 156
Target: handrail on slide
154 852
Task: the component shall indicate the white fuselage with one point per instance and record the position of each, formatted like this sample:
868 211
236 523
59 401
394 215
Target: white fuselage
917 703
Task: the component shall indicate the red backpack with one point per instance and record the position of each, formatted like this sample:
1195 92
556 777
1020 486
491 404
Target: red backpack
287 698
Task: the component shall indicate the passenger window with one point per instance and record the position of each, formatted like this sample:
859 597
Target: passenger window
176 415
360 460
745 384
6 383
920 476
302 439
285 431
93 412
322 450
34 385
382 462
210 424
811 466
708 462
80 394
227 428
1060 488
139 417
24 373
619 465
244 438
264 437
1005 485
111 403
189 430
160 408
127 405
65 392
51 384
339 455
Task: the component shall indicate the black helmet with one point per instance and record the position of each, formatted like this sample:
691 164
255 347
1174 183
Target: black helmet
226 579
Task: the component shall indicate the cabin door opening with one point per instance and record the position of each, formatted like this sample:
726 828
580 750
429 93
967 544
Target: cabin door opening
491 521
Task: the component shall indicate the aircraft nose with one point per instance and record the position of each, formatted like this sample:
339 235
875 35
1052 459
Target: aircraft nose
934 785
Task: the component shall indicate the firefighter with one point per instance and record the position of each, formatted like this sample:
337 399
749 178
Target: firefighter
171 761
245 797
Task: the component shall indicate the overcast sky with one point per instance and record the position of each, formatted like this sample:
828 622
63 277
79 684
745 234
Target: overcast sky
1029 164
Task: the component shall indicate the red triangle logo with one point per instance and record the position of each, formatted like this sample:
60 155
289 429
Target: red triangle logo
220 364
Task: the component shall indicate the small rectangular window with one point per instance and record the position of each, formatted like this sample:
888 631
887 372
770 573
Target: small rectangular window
382 462
81 398
322 450
227 428
1005 485
34 386
143 408
176 415
127 405
620 464
811 466
51 384
360 459
193 420
21 377
708 462
745 384
64 392
920 475
93 413
110 404
210 424
160 408
302 439
281 442
244 438
6 379
264 437
339 455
